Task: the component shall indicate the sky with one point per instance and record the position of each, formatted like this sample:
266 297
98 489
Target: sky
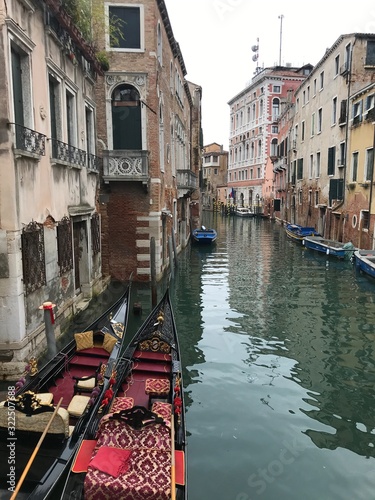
216 39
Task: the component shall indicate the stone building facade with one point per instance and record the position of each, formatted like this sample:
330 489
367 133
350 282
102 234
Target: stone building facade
49 176
332 134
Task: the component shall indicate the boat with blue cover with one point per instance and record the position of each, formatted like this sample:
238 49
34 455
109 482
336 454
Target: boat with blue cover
203 235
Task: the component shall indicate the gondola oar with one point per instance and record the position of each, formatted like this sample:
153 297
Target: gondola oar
31 459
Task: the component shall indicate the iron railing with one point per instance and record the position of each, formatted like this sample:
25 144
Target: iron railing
29 140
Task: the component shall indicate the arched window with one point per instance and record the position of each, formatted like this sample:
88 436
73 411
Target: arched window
274 147
160 46
126 118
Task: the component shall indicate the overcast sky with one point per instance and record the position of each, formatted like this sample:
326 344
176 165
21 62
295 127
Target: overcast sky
216 37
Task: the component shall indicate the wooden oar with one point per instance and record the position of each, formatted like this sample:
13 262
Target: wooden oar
173 466
31 459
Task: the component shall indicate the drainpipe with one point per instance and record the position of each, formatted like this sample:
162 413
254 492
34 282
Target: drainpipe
371 177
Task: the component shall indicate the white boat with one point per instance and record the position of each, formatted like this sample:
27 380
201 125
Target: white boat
244 212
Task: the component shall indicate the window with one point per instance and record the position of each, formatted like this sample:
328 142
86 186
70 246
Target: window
90 138
126 134
331 160
316 197
320 119
275 129
357 112
71 120
303 131
55 113
342 159
369 102
370 53
126 27
342 119
311 169
303 97
274 147
365 219
300 168
312 124
321 80
354 166
275 108
369 164
318 164
64 245
347 57
308 93
33 257
276 89
334 110
300 197
337 65
314 87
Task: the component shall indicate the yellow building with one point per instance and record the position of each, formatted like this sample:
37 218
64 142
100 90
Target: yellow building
360 206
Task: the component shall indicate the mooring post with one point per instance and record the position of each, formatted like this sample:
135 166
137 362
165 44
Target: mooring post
174 247
171 265
49 320
154 293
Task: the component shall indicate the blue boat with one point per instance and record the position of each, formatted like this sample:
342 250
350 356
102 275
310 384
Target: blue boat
365 261
331 248
296 232
203 235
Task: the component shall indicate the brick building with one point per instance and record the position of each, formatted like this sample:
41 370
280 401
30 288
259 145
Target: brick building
149 127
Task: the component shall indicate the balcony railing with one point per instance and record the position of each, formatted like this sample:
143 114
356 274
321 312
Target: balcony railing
186 179
94 162
67 153
125 165
29 140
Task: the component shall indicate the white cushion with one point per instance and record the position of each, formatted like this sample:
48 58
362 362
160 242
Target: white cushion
78 405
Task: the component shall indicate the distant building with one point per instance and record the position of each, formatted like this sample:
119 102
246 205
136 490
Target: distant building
214 173
254 129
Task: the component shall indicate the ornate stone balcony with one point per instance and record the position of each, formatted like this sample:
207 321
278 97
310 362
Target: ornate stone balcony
125 165
187 182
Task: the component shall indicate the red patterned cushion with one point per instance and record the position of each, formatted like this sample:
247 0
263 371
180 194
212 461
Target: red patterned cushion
164 410
122 404
148 476
157 387
112 432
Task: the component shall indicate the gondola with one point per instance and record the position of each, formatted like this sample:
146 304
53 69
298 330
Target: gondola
43 420
137 447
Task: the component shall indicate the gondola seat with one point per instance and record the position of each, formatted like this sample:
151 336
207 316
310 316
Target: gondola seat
157 387
86 384
78 405
122 403
164 410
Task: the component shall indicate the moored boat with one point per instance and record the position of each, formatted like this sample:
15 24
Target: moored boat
46 412
244 212
329 247
203 235
296 232
365 261
137 447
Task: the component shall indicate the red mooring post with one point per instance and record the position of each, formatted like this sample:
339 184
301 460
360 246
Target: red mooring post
49 320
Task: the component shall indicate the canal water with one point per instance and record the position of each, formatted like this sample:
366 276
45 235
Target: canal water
278 353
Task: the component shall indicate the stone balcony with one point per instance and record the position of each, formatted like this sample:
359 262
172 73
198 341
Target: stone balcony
125 165
187 182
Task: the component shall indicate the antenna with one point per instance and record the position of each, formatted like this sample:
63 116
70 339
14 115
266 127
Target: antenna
281 17
255 49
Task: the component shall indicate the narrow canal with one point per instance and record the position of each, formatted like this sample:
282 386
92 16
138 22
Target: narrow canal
278 353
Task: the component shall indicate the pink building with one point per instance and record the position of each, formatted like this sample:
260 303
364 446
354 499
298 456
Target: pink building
254 128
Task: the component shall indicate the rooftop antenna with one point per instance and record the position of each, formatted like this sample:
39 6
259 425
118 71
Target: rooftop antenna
281 17
255 49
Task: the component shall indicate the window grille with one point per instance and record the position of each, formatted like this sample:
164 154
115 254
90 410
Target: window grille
33 257
64 245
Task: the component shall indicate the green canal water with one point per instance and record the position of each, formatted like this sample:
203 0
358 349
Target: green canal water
278 347
278 353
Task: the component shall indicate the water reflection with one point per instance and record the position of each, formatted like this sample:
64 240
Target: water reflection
280 341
